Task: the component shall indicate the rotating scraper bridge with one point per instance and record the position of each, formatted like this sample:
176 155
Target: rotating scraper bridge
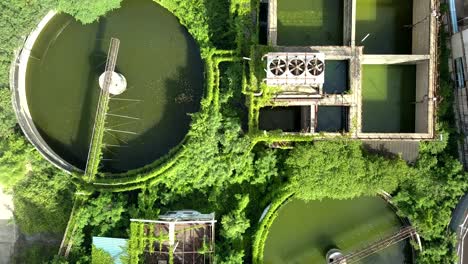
95 149
96 145
382 244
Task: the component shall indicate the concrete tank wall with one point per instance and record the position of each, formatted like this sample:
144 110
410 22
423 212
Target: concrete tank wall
19 99
422 98
422 26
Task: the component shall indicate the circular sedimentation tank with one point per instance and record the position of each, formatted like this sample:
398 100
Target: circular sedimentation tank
304 232
164 83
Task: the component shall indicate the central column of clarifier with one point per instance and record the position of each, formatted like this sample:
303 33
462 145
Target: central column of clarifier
118 83
333 255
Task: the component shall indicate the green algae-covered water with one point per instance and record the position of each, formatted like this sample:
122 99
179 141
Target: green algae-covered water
164 72
310 22
382 26
304 232
388 98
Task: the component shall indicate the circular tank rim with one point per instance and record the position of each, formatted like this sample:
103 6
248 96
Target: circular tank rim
18 71
270 213
19 100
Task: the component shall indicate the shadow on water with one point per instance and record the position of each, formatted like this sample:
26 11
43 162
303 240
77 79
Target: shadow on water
386 29
328 31
323 242
183 92
336 77
97 59
76 152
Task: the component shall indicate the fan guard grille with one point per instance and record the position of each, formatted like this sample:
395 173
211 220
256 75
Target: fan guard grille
278 67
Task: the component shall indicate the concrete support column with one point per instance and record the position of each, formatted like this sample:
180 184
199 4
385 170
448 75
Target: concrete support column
313 117
353 23
171 234
272 23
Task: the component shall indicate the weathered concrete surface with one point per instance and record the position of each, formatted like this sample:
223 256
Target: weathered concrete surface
422 26
424 56
394 136
333 99
422 98
272 22
394 59
331 52
348 22
8 230
355 82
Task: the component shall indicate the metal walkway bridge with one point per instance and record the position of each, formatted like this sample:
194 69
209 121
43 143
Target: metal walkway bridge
95 149
354 257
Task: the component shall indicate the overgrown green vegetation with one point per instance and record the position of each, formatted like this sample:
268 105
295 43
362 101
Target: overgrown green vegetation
220 167
87 11
99 256
340 170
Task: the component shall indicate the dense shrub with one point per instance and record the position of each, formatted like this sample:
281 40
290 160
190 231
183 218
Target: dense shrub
339 169
99 256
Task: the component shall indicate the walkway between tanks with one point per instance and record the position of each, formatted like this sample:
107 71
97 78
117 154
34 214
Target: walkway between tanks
8 230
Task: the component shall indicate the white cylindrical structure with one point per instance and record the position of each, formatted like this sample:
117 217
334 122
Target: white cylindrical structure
333 255
118 83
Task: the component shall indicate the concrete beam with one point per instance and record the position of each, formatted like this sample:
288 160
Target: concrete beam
347 22
331 52
433 71
394 59
333 99
272 23
422 26
353 23
355 75
394 136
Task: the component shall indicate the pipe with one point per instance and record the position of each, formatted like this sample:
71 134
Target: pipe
453 16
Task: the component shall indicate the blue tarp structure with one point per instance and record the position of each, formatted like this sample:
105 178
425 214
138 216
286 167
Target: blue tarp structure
116 247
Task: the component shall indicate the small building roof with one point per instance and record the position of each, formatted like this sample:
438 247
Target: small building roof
116 247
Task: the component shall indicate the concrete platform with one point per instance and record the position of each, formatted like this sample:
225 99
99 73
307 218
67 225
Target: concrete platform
8 230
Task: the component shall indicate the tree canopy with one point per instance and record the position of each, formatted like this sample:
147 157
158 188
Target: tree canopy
340 169
87 11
